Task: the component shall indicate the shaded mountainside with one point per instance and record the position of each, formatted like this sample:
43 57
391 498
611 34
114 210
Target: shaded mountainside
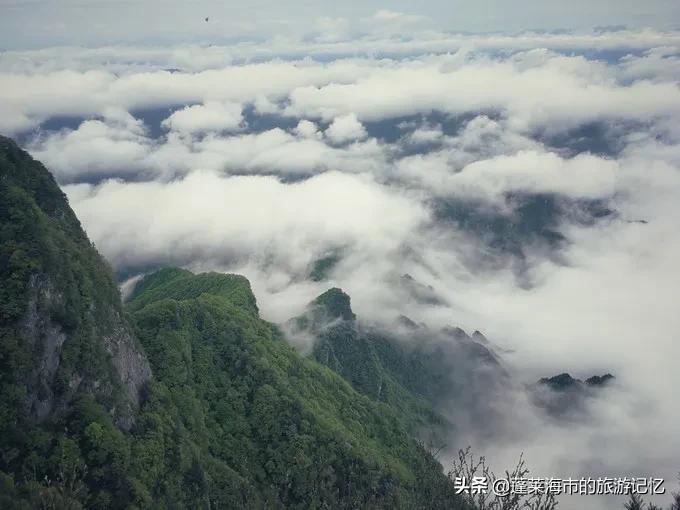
233 417
369 362
535 219
565 397
61 321
419 371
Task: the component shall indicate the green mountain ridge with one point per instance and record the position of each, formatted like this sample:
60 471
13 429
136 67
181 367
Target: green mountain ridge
408 366
61 321
183 398
362 359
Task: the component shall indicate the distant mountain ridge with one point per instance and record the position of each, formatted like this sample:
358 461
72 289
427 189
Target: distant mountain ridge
565 397
408 366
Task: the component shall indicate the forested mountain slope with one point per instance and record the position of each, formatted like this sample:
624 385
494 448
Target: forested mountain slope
428 375
232 417
60 315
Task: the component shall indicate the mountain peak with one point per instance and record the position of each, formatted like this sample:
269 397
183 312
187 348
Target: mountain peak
478 336
565 381
564 397
599 380
181 284
335 304
560 382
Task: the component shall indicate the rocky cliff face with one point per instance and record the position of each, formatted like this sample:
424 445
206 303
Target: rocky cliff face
46 340
62 329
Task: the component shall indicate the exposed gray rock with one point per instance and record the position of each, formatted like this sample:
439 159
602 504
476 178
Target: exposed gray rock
132 367
61 310
47 339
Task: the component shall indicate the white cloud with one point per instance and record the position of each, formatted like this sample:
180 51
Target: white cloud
308 129
426 135
560 92
87 93
100 148
391 16
584 176
345 128
194 57
116 144
212 116
206 217
276 151
535 89
480 123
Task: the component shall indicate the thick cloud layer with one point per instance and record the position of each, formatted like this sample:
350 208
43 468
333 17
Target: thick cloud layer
206 218
531 181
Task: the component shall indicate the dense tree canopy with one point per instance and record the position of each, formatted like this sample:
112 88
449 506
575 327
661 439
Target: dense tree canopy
233 417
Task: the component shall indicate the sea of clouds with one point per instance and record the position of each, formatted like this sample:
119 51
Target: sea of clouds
263 158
